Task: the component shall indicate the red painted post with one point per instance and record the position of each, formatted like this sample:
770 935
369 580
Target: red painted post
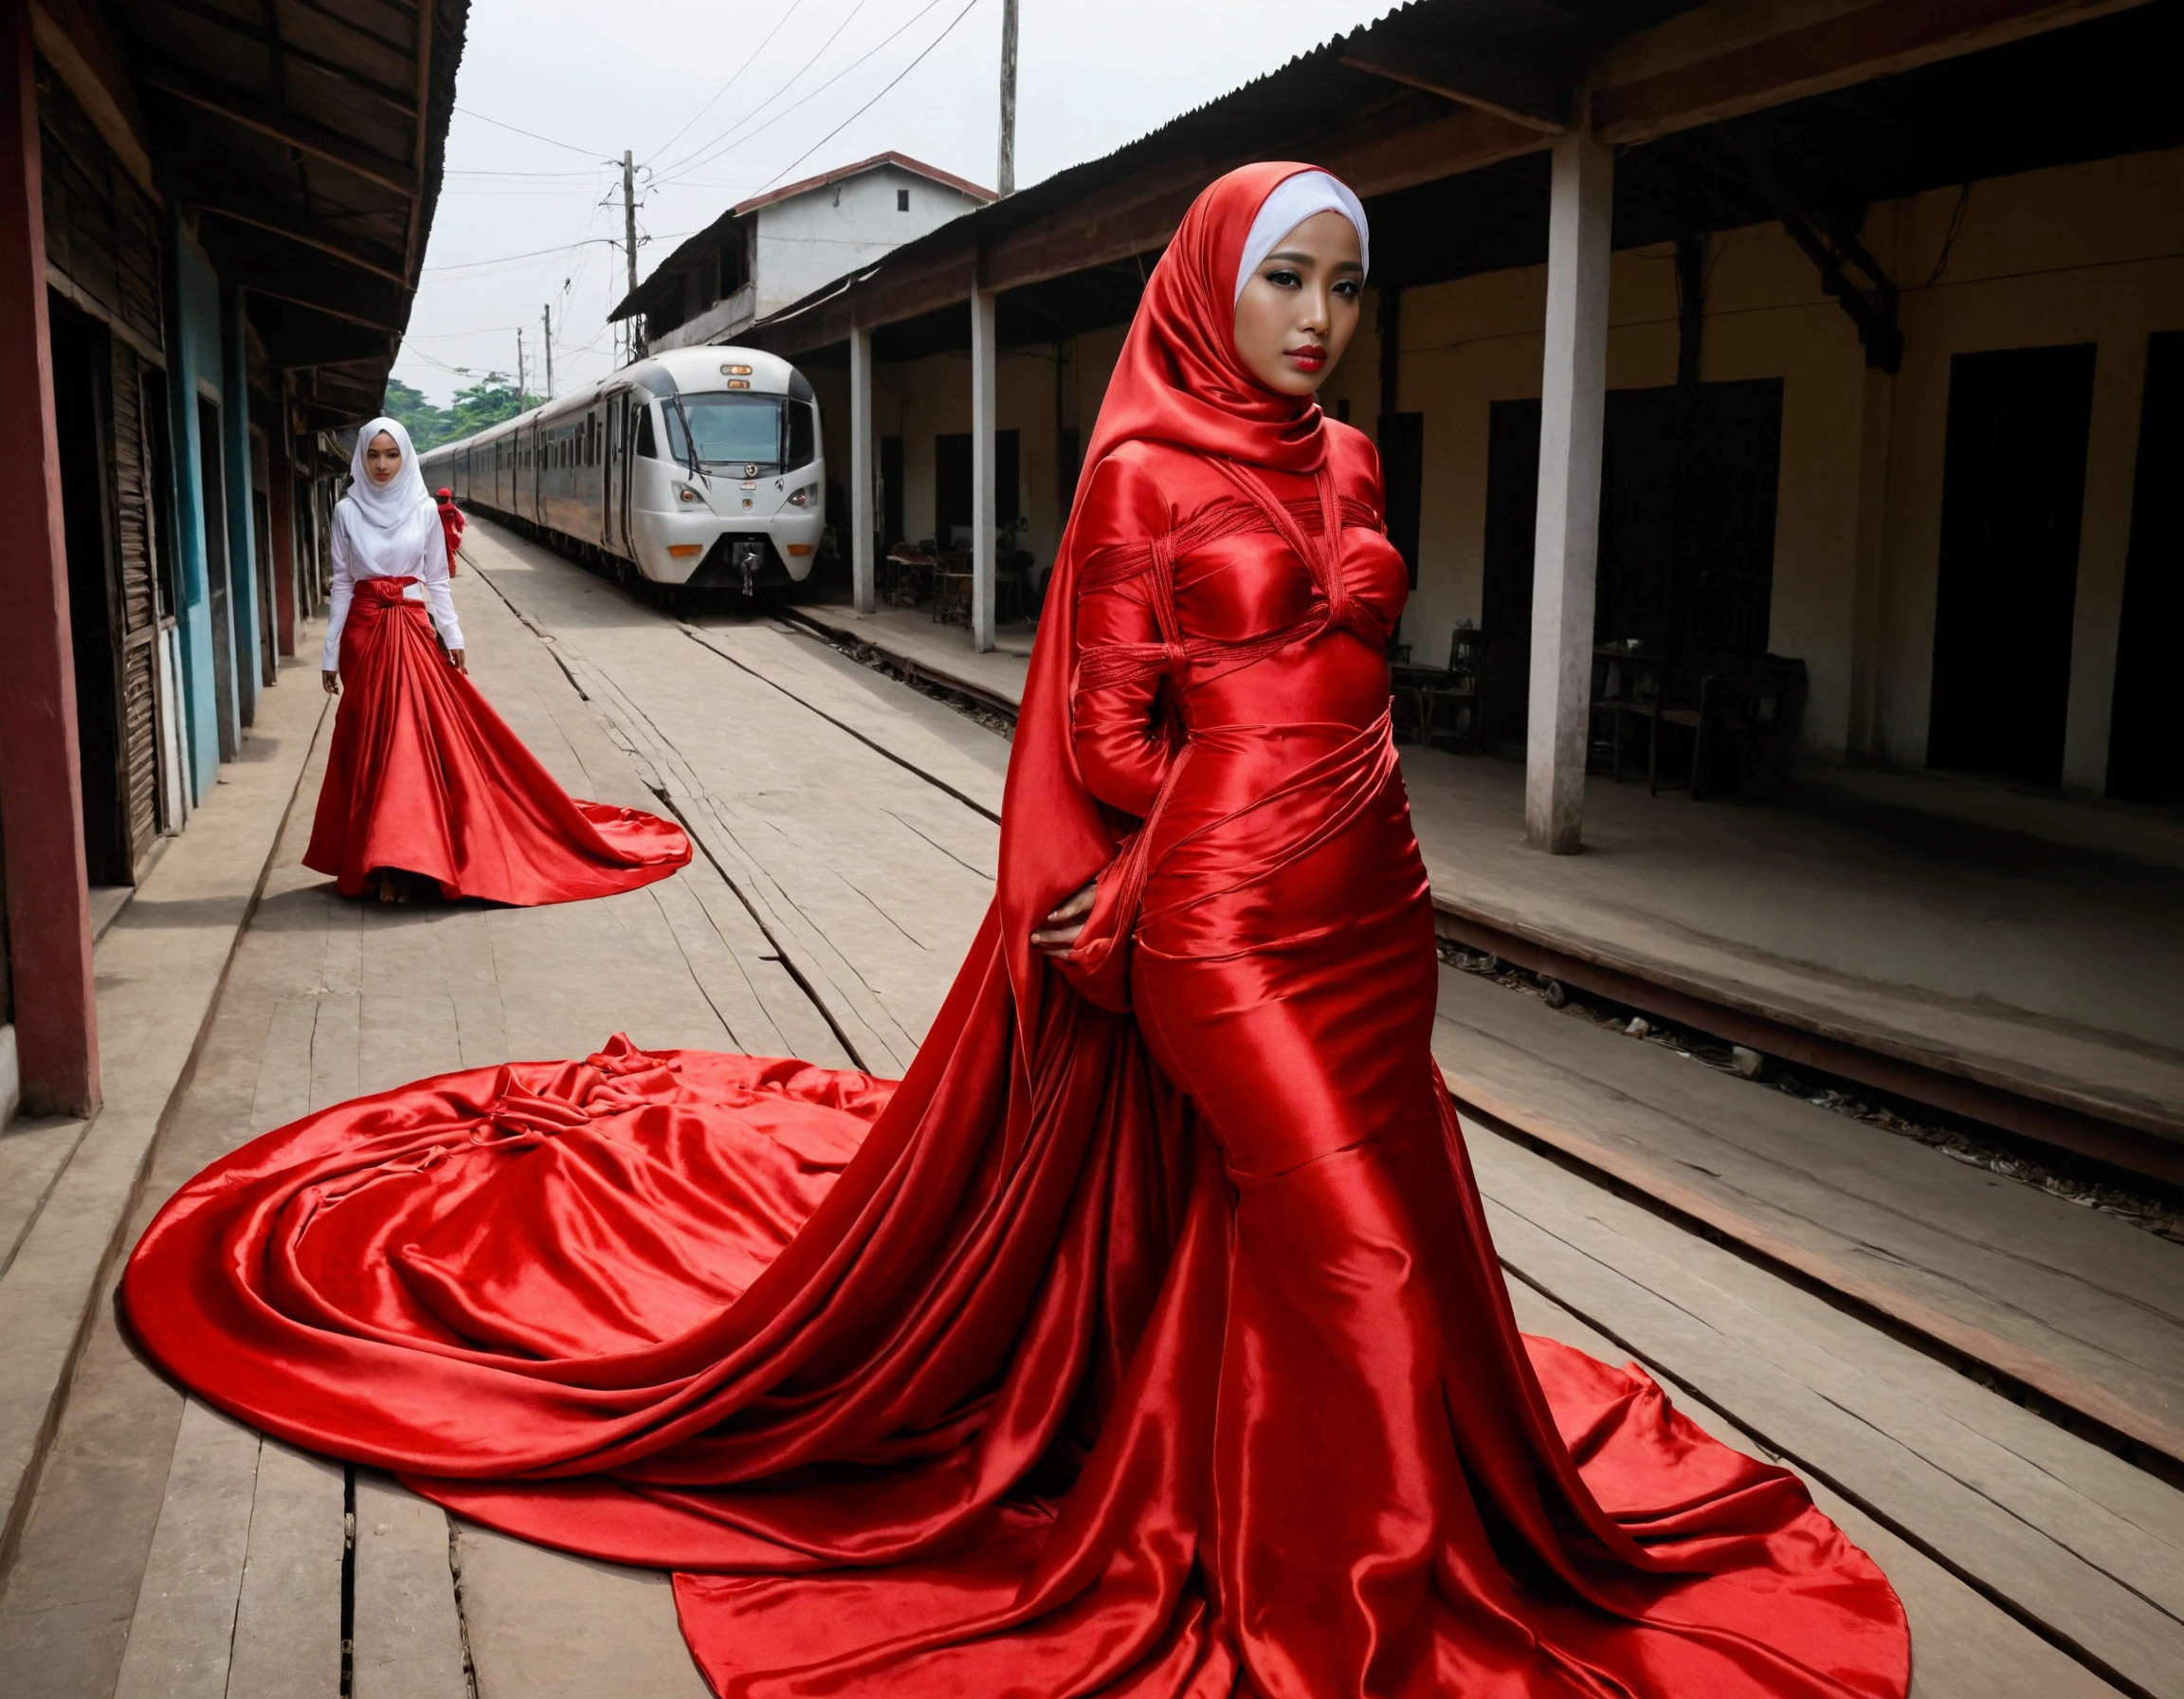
40 791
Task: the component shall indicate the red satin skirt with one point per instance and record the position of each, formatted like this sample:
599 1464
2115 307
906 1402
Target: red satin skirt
424 777
1161 1355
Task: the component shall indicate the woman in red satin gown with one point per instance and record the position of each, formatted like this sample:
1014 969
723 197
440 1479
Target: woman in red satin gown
423 780
1146 1339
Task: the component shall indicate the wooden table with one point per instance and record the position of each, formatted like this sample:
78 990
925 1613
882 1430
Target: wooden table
907 579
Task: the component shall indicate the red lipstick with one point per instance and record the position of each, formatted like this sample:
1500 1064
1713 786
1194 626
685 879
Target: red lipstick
1309 356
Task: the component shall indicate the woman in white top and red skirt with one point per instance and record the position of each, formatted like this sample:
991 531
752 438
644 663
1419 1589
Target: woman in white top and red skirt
423 778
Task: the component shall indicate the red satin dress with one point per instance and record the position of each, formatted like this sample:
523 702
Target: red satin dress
1158 1354
425 777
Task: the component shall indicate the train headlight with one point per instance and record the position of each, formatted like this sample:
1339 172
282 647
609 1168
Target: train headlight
805 497
688 497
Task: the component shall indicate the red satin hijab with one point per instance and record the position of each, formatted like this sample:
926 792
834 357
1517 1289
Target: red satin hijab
1179 381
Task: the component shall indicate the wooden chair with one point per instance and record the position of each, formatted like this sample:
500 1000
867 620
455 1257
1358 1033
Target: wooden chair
952 587
906 580
1627 686
1012 572
1441 699
1746 703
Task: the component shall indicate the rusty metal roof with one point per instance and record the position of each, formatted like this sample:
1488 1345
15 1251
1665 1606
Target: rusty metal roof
309 135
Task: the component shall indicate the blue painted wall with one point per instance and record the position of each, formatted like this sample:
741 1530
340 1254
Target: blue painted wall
192 353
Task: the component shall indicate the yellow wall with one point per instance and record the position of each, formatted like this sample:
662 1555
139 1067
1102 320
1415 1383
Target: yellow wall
2079 254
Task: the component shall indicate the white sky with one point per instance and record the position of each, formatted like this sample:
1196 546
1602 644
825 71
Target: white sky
1091 75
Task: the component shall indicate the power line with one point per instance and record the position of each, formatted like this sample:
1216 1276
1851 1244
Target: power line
701 157
519 130
453 172
969 7
737 131
539 253
795 7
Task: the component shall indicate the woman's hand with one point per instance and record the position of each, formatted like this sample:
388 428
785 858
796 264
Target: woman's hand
1059 932
458 663
332 680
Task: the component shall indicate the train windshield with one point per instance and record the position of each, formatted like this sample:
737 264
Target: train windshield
728 429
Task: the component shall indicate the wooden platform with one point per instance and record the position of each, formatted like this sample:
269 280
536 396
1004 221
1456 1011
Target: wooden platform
1994 952
847 853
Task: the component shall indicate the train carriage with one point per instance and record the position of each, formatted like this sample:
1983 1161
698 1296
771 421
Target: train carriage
698 467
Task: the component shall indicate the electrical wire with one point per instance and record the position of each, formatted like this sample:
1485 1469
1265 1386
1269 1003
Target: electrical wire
517 129
537 253
739 131
969 7
701 157
453 172
795 7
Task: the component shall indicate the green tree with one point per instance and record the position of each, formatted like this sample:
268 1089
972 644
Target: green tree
484 402
426 424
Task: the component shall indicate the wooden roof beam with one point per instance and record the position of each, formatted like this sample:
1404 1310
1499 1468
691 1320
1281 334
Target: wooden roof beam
412 249
1731 57
77 44
279 45
259 259
1512 92
1135 214
223 197
302 133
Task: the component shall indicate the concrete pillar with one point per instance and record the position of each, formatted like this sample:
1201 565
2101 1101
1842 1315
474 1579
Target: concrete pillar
861 562
49 949
2103 554
1573 403
983 359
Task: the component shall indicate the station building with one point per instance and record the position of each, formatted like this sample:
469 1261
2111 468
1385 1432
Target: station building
778 245
1833 347
211 230
1881 312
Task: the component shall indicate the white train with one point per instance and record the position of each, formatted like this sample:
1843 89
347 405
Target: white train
698 466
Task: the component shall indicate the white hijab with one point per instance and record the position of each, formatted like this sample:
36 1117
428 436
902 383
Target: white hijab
1294 200
388 521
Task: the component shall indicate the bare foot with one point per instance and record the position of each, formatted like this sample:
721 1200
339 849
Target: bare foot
386 891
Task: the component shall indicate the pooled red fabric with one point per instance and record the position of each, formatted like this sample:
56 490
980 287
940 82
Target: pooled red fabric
423 775
1160 1353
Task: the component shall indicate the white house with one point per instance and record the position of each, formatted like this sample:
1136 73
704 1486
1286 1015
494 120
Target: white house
765 252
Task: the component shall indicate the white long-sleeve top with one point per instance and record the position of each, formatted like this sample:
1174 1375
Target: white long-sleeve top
426 562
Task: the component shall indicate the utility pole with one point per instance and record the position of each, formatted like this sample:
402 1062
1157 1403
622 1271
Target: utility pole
546 316
629 240
518 368
1005 173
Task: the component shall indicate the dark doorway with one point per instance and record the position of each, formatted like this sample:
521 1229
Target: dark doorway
78 381
952 484
891 523
1402 477
2013 493
1007 478
213 485
2145 756
1688 486
1505 608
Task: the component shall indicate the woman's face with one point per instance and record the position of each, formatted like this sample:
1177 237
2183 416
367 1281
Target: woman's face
1299 310
382 458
